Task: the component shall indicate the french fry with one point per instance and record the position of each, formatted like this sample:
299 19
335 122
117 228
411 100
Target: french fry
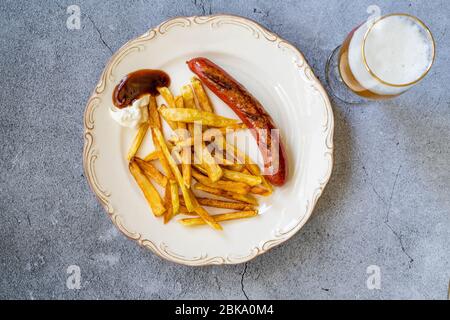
194 115
201 212
241 156
220 159
154 155
168 203
201 169
188 97
222 204
137 141
167 95
174 197
209 134
237 187
238 167
267 185
149 191
227 194
201 95
189 102
153 115
164 163
151 172
260 191
165 150
250 180
184 210
209 163
185 151
220 217
170 100
173 125
205 217
252 167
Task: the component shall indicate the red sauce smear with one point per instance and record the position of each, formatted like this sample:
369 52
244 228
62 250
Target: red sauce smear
138 83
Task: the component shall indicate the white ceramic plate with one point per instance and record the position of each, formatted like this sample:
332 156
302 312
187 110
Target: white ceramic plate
277 74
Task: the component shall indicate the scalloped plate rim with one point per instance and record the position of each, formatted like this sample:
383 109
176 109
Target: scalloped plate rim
216 260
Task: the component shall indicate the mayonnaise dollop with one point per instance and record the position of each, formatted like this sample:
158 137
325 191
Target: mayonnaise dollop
133 115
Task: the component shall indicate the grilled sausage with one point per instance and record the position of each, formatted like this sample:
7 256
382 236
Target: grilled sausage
250 111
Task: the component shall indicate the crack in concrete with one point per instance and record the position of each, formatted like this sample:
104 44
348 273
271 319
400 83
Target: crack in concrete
373 187
242 281
399 237
386 220
99 34
392 194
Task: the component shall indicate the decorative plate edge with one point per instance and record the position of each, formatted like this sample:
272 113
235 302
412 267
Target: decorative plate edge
89 155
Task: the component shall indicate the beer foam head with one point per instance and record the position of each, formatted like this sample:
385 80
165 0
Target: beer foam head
398 49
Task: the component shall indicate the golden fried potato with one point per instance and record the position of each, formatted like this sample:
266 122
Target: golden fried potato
220 217
185 151
176 172
153 114
193 115
223 204
201 95
168 203
240 156
238 167
167 95
205 217
237 187
173 125
227 194
151 172
213 170
248 179
137 141
174 197
149 191
154 155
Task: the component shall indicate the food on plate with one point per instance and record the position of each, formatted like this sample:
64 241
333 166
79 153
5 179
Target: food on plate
174 167
207 218
238 187
154 155
137 140
175 199
226 194
149 191
238 176
196 158
185 152
202 97
137 84
193 115
132 116
151 172
222 204
220 217
213 169
250 111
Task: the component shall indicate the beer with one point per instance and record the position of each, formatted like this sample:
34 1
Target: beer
383 58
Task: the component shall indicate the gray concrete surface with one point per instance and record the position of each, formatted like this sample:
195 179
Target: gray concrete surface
387 203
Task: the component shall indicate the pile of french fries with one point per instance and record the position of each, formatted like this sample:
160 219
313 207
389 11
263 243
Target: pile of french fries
185 169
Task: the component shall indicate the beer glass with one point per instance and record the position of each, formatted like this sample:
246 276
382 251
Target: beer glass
381 59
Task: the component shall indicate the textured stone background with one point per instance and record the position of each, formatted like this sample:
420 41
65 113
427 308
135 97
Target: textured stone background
387 203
